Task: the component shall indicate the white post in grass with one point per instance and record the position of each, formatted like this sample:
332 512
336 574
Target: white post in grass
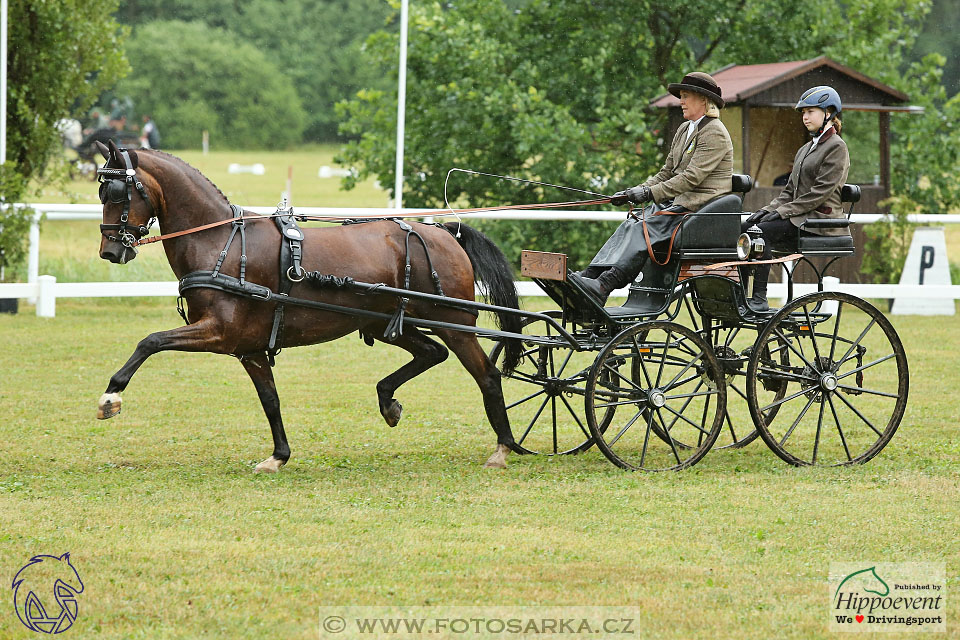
401 105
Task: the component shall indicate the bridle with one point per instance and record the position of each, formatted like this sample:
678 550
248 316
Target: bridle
116 186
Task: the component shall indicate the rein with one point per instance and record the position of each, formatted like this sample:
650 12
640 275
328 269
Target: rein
321 218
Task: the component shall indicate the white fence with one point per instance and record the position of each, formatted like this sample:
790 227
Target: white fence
45 289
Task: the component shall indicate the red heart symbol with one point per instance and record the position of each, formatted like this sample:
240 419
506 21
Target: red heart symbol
859 618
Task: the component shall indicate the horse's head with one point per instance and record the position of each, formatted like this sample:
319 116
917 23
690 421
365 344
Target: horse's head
128 210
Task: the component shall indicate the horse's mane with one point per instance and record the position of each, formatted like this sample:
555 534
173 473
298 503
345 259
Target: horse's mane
188 166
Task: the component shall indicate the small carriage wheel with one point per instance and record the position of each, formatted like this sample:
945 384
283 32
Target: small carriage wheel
847 381
732 346
653 374
542 394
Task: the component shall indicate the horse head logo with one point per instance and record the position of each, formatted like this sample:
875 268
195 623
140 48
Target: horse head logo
868 581
32 588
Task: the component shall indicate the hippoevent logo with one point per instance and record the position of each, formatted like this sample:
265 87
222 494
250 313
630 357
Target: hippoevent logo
45 593
905 596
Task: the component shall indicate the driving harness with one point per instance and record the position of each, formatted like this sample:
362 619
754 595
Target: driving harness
292 272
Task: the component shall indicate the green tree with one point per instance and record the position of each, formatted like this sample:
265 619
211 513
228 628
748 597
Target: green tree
213 82
559 90
61 56
316 44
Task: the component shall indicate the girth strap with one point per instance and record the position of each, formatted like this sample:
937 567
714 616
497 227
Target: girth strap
395 326
291 253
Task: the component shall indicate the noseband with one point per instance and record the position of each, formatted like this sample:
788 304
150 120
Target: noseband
116 186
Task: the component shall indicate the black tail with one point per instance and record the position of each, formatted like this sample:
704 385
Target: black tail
493 273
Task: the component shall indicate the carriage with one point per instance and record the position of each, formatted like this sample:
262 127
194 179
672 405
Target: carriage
684 364
654 383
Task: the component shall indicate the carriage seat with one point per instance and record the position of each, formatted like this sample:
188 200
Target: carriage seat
731 202
811 243
712 231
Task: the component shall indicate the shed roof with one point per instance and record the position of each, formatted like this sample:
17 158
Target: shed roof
756 83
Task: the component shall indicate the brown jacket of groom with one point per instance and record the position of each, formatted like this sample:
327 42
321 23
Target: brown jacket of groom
813 190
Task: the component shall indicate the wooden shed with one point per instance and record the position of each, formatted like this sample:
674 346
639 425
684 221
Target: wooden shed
766 130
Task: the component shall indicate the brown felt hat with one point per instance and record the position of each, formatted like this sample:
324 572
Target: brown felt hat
698 82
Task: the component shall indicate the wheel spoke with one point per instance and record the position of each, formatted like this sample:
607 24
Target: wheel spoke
620 375
618 403
836 419
586 431
693 316
564 365
680 383
788 398
860 415
726 415
813 333
533 421
793 348
685 405
703 420
816 439
871 391
685 419
836 330
866 366
553 411
663 360
670 384
646 436
797 421
530 397
863 333
643 366
624 430
740 393
673 445
789 375
691 395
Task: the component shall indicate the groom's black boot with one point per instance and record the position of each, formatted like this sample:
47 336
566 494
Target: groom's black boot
758 301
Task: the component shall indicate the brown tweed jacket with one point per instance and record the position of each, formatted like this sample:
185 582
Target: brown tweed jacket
813 190
698 170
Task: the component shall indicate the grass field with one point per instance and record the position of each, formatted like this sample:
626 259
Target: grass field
174 536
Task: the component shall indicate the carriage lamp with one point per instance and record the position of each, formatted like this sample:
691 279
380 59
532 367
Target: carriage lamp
750 244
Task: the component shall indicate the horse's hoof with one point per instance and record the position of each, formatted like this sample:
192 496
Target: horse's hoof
270 465
499 458
109 406
392 414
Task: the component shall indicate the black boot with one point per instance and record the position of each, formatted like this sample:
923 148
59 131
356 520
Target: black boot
600 288
758 301
592 272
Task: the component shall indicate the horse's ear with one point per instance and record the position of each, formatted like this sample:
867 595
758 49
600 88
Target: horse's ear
114 150
104 151
134 159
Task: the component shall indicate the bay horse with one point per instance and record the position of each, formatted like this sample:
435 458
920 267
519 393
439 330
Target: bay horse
180 198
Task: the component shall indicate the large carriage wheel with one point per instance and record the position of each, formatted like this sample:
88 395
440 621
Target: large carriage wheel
846 380
653 374
543 394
